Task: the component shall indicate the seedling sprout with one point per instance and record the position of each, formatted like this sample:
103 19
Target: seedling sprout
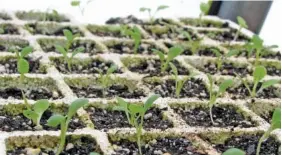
135 35
105 78
242 24
152 16
223 57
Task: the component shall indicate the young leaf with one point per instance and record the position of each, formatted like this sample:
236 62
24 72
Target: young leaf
276 119
112 69
173 68
242 22
25 51
269 83
204 7
75 3
55 120
234 151
162 7
68 34
257 42
224 85
149 102
75 105
210 82
77 50
2 31
40 106
61 50
187 35
122 104
30 115
23 66
144 9
174 52
259 73
135 109
232 53
216 52
160 54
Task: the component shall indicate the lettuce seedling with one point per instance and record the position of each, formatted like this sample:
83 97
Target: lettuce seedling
173 52
215 94
105 78
64 121
135 114
152 17
204 7
258 74
223 57
39 108
179 83
77 3
234 151
65 50
275 124
22 64
242 24
135 35
193 44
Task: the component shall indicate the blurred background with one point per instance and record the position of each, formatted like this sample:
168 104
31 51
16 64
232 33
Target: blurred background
98 11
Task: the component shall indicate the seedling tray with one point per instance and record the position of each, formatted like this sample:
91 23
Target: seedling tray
175 126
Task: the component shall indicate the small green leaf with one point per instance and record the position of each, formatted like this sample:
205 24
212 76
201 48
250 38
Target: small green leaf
41 105
55 13
174 52
122 104
187 35
224 85
232 53
61 49
160 54
210 82
75 105
55 120
242 22
204 7
30 115
173 68
77 50
276 119
23 66
162 7
269 83
259 73
135 109
75 3
144 9
2 31
149 102
257 42
234 151
25 51
68 34
216 52
112 69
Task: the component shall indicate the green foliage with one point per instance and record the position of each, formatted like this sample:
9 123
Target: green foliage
105 78
135 114
179 82
275 124
258 74
134 34
65 50
2 30
165 60
221 58
257 45
75 3
215 94
22 64
242 24
94 153
39 108
151 17
193 44
204 7
234 151
64 121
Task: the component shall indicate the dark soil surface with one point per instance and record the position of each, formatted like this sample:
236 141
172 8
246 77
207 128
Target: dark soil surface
90 68
123 48
11 123
173 146
192 88
83 146
242 92
171 33
108 119
248 143
225 36
35 28
31 93
222 116
268 116
206 51
112 91
90 46
9 29
273 71
124 20
153 67
226 69
10 66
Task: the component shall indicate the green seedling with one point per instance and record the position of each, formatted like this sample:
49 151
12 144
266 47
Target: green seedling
22 64
193 44
234 151
53 12
215 94
275 124
242 24
257 45
258 74
165 60
134 34
64 121
36 113
221 58
65 50
2 30
179 82
77 3
135 114
106 78
204 7
152 16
